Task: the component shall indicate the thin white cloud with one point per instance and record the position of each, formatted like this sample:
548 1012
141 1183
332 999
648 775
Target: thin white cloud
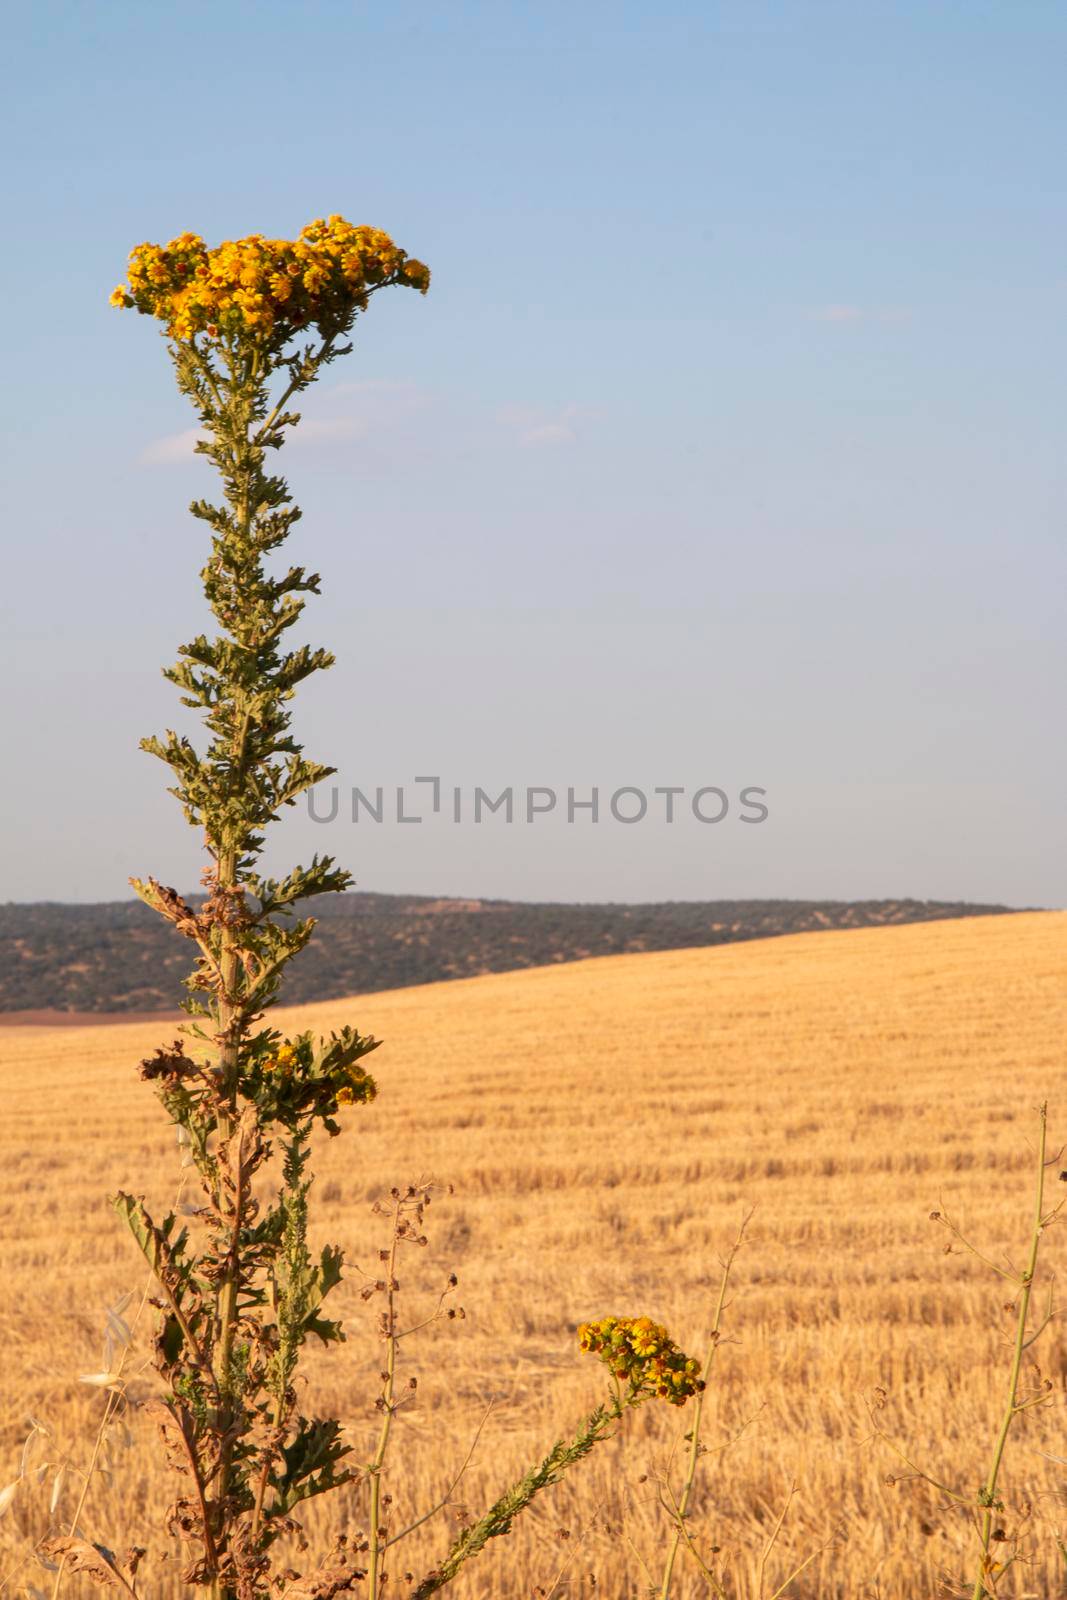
345 412
550 433
327 428
173 447
533 429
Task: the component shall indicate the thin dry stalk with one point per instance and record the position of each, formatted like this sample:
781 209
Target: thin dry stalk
680 1507
1013 1406
406 1210
987 1509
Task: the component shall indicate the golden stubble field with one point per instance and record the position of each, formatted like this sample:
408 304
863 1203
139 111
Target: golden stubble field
604 1125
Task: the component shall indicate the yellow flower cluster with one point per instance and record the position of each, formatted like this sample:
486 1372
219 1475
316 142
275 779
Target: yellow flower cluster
274 287
641 1352
359 1089
283 1062
354 1087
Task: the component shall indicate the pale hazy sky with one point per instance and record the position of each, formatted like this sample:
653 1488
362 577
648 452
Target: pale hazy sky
728 448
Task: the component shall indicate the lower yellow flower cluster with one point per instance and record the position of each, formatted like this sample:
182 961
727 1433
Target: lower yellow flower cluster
359 1089
641 1352
273 286
351 1087
283 1061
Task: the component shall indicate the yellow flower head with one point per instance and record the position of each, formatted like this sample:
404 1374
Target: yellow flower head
263 288
282 1061
359 1088
641 1352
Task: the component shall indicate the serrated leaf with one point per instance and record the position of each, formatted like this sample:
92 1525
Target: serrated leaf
329 1332
95 1560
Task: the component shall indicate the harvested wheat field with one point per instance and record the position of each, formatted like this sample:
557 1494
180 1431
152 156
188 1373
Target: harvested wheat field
605 1125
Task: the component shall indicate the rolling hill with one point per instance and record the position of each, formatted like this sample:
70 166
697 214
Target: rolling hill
120 957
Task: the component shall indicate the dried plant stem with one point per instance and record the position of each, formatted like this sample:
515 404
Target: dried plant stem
109 1411
1012 1406
268 1458
681 1505
986 1509
765 1553
450 1491
98 1442
567 1562
387 1402
691 1549
801 1566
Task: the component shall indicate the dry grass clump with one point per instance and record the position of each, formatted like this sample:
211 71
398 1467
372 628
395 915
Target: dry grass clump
604 1125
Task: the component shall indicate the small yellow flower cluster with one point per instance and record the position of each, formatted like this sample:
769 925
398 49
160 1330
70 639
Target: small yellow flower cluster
283 1062
359 1089
274 287
640 1351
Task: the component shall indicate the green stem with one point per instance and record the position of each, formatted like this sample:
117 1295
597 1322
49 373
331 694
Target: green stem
1011 1407
290 390
229 1017
229 1064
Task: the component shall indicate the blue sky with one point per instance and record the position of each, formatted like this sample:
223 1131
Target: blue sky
727 449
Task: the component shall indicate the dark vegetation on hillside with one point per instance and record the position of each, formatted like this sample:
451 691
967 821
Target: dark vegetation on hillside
118 957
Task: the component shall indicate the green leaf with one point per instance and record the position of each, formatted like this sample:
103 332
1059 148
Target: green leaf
310 1463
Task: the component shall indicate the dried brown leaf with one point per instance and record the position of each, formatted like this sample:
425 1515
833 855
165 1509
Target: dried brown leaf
336 1575
98 1563
174 1438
